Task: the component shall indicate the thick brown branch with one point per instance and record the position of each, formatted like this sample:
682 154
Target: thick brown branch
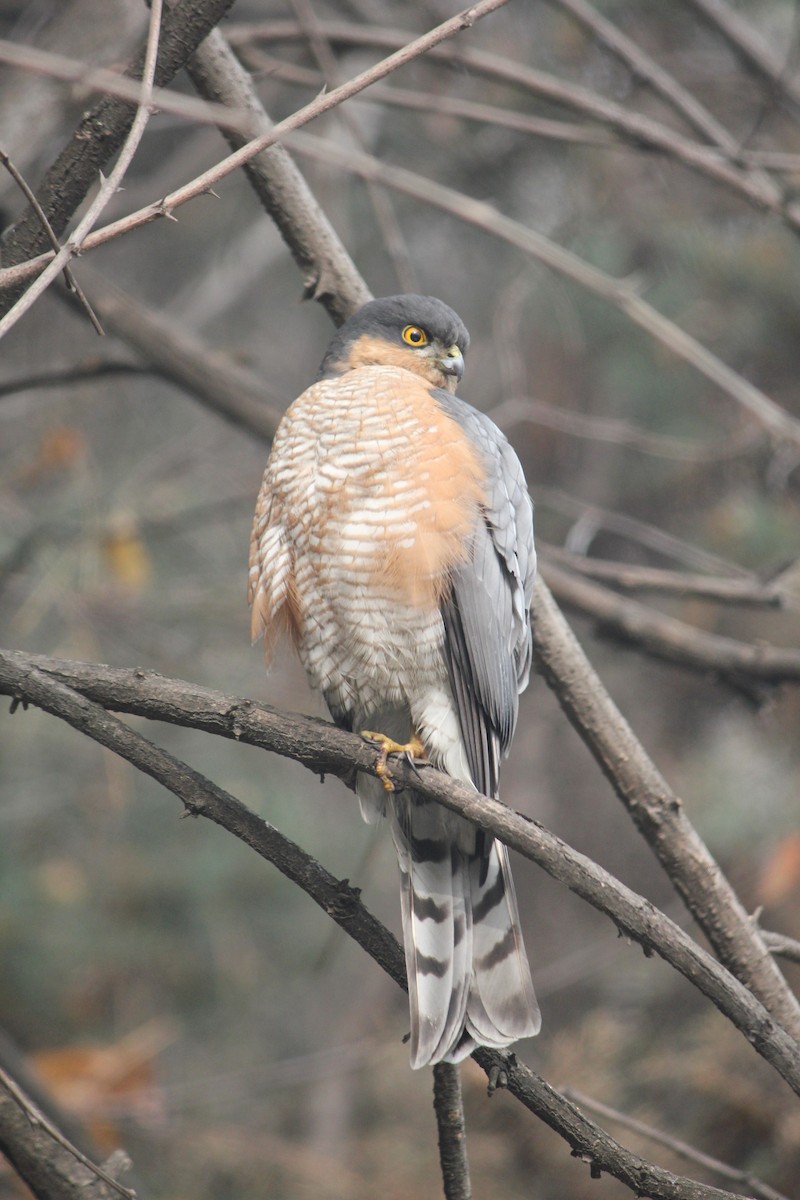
656 811
761 1191
341 903
667 638
48 1163
589 1143
324 749
203 798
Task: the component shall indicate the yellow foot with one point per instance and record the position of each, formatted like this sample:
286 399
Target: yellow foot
411 749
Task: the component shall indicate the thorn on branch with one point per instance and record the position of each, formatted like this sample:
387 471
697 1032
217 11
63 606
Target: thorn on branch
498 1078
163 210
234 714
344 902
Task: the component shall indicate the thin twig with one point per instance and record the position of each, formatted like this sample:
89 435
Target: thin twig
448 1105
621 433
632 127
441 104
749 47
89 371
780 944
754 1185
69 277
329 274
622 294
123 87
592 518
380 199
630 577
101 132
52 684
108 186
647 70
11 277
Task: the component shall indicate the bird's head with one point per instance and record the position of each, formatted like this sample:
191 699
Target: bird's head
418 333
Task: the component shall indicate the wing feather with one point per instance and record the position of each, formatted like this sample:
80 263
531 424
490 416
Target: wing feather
486 610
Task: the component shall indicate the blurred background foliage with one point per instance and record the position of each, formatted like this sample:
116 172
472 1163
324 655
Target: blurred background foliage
172 990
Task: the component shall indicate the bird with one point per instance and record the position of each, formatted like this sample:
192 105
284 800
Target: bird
392 542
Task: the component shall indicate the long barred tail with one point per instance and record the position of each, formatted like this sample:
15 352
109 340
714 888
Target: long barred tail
468 976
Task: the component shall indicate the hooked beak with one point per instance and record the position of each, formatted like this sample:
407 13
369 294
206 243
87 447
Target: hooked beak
452 362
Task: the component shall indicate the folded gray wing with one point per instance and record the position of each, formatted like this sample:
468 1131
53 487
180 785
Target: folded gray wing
486 613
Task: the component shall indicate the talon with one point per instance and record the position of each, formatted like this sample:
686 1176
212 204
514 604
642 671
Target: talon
411 749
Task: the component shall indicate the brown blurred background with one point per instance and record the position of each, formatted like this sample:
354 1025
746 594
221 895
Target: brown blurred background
175 992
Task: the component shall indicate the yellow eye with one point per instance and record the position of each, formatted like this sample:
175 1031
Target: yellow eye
414 336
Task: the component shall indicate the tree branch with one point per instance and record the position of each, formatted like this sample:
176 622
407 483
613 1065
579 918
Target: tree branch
739 663
630 577
48 1163
649 71
329 274
69 278
780 944
633 128
755 1186
316 746
102 131
51 684
656 811
236 394
108 186
11 276
449 1108
749 48
622 294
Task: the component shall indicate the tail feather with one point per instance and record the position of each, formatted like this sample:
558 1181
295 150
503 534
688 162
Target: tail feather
501 1007
468 976
437 928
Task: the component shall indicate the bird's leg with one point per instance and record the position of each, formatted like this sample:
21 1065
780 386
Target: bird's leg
411 749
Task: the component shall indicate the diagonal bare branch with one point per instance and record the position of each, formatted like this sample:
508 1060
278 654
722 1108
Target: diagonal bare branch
324 749
649 71
742 664
11 277
203 798
44 1158
630 577
69 278
656 811
102 131
328 272
761 1191
746 43
623 294
108 187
